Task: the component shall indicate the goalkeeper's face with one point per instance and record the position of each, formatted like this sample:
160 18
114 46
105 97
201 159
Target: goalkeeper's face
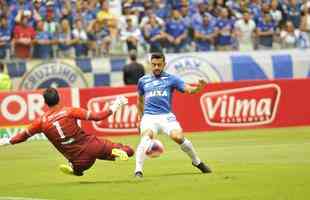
158 65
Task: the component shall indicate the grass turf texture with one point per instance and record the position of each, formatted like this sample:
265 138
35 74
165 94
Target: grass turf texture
265 164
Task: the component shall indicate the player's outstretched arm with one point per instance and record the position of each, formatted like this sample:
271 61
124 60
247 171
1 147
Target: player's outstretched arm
34 128
80 113
189 89
18 138
83 114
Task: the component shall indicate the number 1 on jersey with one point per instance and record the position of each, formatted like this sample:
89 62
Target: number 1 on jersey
59 130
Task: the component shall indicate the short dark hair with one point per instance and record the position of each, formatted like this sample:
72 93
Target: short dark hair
133 56
158 56
51 97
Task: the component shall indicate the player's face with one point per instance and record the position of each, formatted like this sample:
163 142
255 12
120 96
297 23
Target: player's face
158 65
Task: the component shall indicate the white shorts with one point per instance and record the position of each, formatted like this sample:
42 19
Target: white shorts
162 123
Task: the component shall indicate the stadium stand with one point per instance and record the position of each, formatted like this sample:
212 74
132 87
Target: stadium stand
92 28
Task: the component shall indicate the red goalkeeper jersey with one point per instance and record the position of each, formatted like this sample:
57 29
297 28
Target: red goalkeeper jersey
59 124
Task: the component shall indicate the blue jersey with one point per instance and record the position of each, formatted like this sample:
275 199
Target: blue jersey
294 14
175 27
5 35
43 51
205 30
89 16
266 40
154 31
226 26
157 92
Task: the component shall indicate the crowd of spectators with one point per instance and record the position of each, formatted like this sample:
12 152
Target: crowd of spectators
76 28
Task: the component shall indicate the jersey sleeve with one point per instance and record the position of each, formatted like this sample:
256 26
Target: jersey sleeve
79 113
260 26
83 114
140 87
178 84
34 128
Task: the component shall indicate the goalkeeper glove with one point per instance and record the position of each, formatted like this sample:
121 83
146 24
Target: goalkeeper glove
4 141
118 103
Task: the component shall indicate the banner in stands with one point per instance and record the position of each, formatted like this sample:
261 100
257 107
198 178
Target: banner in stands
235 66
211 66
222 106
79 73
58 73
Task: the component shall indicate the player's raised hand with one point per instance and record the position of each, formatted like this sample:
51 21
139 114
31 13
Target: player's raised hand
119 102
4 141
122 100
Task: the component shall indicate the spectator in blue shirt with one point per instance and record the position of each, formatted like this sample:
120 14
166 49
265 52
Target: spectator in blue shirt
293 13
187 12
5 37
265 31
184 6
176 33
42 43
224 29
88 12
255 10
20 6
197 19
161 9
205 34
66 14
154 35
11 2
99 38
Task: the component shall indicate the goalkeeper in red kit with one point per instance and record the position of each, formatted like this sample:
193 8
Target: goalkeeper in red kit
59 124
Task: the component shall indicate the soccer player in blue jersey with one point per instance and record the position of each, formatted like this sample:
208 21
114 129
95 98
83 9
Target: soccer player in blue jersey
154 105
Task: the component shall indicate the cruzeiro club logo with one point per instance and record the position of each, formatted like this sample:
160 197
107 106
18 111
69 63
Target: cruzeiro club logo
193 68
53 74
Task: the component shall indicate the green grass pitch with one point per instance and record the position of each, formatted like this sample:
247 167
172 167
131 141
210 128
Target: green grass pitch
264 164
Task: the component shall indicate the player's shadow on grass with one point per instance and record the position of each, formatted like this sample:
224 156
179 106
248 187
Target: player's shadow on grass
176 174
78 183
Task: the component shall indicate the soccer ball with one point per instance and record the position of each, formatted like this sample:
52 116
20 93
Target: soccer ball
155 149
